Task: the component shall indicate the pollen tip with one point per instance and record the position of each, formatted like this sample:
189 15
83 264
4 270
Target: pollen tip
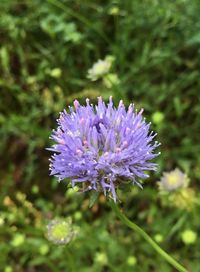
100 99
121 103
76 104
141 111
87 101
82 120
61 141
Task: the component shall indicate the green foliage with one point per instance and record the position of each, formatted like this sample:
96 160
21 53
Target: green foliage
46 50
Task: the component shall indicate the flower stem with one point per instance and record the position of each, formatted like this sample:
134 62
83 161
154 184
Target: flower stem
140 231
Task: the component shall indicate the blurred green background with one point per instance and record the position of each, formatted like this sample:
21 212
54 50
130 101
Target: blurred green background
46 49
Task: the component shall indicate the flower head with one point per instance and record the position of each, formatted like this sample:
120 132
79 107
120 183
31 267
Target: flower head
100 68
60 231
173 180
175 191
184 199
189 236
102 147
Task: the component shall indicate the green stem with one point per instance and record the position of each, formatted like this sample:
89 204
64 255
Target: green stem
140 231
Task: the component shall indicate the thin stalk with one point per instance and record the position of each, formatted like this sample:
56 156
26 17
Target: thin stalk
141 232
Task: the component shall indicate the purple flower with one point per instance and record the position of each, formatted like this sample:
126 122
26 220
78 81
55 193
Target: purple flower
101 147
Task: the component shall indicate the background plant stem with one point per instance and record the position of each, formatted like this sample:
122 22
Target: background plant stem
141 232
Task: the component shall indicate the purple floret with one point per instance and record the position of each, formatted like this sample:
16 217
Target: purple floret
101 147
